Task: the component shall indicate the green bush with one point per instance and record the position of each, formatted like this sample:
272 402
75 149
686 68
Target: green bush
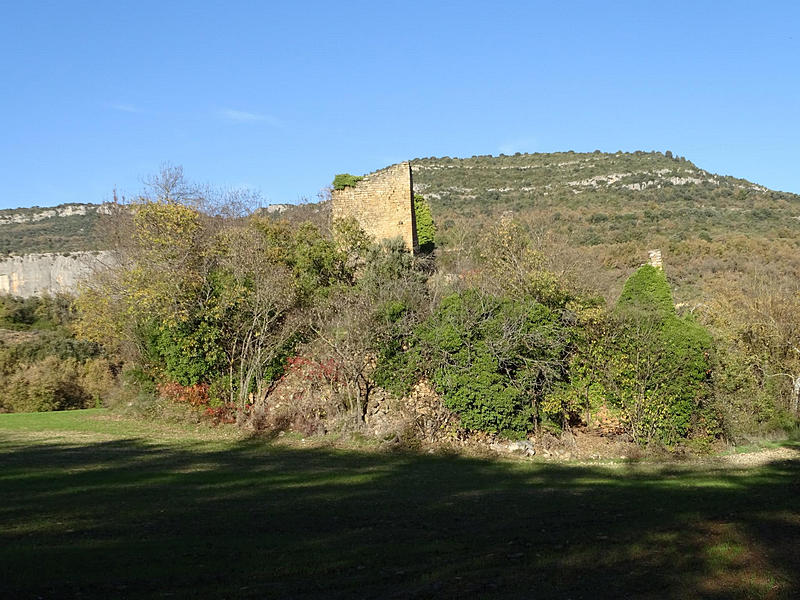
25 314
50 384
343 180
658 364
492 359
647 291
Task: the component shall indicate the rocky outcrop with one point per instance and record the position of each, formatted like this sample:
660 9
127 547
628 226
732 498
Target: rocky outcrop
31 215
39 274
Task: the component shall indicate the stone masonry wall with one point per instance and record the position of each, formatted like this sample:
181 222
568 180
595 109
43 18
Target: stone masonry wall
655 259
37 274
382 203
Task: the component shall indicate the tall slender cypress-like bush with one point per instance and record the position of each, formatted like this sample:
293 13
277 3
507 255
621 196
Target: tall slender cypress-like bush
658 362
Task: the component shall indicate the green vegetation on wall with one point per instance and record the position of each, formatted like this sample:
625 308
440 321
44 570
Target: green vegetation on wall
426 228
343 180
659 370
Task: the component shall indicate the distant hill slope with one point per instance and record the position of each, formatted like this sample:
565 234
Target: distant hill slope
603 210
63 228
606 210
637 188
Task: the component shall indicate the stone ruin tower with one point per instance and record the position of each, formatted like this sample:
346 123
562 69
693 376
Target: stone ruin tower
655 259
382 203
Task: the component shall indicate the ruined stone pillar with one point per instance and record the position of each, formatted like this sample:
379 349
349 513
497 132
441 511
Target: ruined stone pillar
382 203
655 259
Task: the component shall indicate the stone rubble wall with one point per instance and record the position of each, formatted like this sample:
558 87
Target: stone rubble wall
382 203
38 274
655 259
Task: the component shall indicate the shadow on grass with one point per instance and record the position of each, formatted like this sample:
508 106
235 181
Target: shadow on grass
130 519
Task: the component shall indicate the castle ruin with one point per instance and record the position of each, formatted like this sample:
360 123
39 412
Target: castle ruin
382 203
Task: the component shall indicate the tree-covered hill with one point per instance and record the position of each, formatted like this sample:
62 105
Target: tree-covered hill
607 209
519 180
607 197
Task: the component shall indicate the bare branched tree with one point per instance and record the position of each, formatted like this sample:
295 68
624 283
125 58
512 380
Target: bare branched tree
263 296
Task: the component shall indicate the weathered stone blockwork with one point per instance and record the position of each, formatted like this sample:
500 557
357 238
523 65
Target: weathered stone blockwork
655 259
382 203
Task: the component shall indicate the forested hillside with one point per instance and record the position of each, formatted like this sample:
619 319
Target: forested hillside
607 210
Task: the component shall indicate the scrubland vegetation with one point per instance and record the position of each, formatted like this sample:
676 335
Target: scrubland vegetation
500 329
27 230
42 365
269 382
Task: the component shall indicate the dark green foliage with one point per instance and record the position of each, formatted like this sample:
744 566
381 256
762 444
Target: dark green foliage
343 180
397 370
314 260
60 344
188 353
426 228
139 379
25 314
492 359
658 363
194 349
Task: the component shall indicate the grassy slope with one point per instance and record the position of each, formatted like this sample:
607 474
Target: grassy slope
96 507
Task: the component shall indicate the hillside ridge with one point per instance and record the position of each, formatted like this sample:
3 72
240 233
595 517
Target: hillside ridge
626 189
546 173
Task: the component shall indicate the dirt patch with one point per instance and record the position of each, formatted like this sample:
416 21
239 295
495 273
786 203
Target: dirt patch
13 337
761 457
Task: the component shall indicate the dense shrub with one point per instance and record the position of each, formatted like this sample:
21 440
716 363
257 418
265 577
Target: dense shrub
42 365
658 363
492 359
46 312
50 384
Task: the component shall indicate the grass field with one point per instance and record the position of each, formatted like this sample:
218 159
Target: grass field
96 507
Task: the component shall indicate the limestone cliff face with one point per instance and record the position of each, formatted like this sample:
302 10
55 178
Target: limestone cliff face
38 274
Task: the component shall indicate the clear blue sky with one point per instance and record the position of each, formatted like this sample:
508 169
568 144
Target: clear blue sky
281 96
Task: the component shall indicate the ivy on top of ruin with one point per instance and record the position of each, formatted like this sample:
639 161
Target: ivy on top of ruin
343 180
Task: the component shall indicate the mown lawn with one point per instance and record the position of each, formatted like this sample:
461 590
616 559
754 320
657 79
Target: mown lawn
92 507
